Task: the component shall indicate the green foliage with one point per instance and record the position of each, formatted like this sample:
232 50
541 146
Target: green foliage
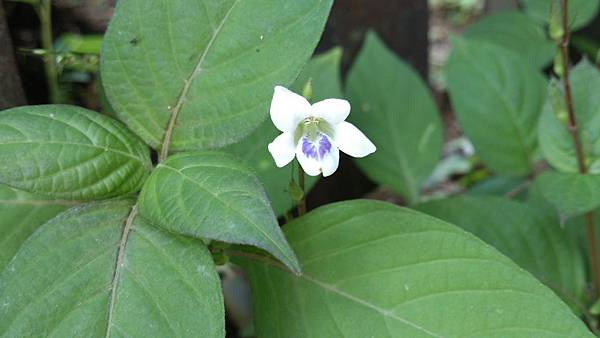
394 108
497 98
21 213
376 270
581 12
63 282
571 194
516 32
323 72
523 234
555 139
211 65
189 75
69 152
211 195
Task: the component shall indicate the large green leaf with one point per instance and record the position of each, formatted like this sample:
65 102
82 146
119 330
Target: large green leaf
555 140
323 72
70 152
523 234
208 65
394 108
211 195
79 276
497 97
21 213
517 32
375 270
571 194
581 12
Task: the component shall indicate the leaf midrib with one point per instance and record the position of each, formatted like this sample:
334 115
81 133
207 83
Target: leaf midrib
187 84
78 144
266 235
333 289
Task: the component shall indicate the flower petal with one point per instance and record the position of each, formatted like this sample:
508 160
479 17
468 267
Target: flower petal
333 111
310 164
330 162
288 109
352 141
282 149
318 157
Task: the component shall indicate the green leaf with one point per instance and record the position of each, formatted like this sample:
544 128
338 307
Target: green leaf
323 72
581 12
371 269
498 186
555 140
571 194
517 32
497 98
394 108
595 308
209 66
69 152
21 213
60 283
523 234
211 195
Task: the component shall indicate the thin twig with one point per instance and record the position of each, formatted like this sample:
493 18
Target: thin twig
589 218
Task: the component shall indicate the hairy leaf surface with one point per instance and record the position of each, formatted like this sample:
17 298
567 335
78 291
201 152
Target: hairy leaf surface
70 152
211 195
21 213
75 277
208 66
371 269
527 236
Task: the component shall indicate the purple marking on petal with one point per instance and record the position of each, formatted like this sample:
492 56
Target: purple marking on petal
324 146
318 150
309 149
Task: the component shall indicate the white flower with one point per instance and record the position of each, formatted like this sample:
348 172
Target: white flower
314 133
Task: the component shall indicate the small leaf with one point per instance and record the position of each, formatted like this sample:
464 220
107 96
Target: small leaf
581 12
69 152
571 194
525 235
497 98
323 72
375 270
61 282
498 186
21 213
295 191
394 108
517 32
208 66
595 308
211 195
555 139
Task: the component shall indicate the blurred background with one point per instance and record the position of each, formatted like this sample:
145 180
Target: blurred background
49 53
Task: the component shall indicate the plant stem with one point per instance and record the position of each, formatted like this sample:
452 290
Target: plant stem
44 10
591 232
302 202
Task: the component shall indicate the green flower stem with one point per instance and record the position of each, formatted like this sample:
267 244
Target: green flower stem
302 201
44 10
589 218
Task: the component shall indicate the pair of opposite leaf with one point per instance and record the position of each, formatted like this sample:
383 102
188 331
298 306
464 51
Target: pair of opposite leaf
314 133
